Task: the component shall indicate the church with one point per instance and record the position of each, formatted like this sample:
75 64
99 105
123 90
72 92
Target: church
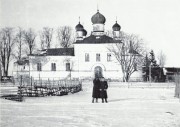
88 58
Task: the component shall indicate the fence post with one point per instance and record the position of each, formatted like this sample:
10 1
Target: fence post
49 82
41 82
20 95
80 83
177 83
31 82
53 82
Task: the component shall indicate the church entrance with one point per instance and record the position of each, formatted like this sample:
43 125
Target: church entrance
98 71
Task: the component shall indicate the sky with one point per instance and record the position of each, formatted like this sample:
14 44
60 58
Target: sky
156 21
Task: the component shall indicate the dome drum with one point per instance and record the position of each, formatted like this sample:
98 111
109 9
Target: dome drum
79 34
116 34
98 27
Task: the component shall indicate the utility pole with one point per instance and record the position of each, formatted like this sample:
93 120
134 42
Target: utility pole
150 73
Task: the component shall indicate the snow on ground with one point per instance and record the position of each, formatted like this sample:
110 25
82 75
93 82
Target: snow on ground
127 107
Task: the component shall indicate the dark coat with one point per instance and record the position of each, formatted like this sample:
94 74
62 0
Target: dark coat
103 89
96 92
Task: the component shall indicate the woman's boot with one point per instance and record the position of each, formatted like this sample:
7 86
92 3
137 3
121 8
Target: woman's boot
96 100
102 100
93 100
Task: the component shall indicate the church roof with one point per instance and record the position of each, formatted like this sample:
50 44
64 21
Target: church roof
55 52
92 39
60 52
22 61
172 69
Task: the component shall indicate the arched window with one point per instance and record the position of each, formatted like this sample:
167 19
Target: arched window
98 72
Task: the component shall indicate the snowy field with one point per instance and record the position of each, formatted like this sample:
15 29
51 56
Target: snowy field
130 105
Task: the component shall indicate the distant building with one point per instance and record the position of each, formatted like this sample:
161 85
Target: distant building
170 73
88 58
161 74
21 67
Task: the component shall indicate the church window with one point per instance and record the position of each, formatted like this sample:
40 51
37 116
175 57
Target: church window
98 57
87 57
109 58
39 67
53 66
67 66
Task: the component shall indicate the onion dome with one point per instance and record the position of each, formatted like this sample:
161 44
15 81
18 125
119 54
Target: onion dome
116 27
84 32
98 18
79 27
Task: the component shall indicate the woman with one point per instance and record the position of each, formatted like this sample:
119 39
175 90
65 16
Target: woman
96 93
103 90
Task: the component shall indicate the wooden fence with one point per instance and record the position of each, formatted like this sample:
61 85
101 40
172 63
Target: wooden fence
47 87
28 87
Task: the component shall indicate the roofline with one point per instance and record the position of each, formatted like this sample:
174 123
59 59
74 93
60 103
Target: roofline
96 43
49 55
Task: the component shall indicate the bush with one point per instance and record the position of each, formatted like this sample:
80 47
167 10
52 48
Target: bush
6 79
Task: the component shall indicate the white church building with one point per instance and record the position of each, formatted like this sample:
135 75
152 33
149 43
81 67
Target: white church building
88 58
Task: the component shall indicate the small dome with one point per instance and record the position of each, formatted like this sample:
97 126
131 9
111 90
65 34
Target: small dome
84 32
98 18
79 27
116 27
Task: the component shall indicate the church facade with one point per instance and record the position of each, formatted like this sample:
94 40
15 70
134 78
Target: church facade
88 58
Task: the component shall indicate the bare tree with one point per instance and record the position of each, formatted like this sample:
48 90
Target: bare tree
29 39
0 71
46 37
128 54
64 35
1 48
7 43
19 43
161 59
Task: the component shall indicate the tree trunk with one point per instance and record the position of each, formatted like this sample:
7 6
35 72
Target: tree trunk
0 72
3 65
124 77
7 68
30 51
5 72
127 78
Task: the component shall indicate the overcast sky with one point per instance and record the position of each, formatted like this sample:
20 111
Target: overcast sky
156 21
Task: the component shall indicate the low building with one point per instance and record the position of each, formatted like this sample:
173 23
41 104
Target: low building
170 73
